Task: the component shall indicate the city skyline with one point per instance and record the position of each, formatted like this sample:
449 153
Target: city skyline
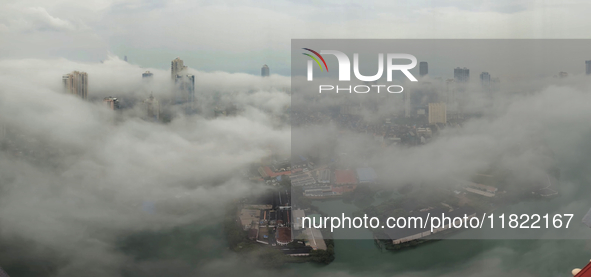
118 34
183 138
147 139
442 69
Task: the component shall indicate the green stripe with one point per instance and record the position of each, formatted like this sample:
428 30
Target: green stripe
315 60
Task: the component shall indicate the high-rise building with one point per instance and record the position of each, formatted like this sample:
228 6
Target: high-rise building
265 71
406 97
152 107
423 69
461 75
437 113
147 75
485 79
184 83
191 87
76 83
451 99
185 89
125 58
588 67
176 67
111 102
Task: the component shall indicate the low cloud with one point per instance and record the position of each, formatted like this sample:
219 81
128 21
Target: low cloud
76 177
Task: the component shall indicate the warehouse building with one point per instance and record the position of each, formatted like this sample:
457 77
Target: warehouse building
345 177
366 175
480 189
283 235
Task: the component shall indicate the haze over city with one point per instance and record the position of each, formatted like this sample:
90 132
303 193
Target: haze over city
137 170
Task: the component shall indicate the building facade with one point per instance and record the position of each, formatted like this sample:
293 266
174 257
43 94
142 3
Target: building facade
147 75
437 113
461 75
185 89
406 95
76 83
485 79
265 71
423 69
111 102
177 66
152 107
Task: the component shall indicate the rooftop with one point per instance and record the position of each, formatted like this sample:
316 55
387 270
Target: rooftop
248 215
284 235
366 175
269 173
343 177
483 187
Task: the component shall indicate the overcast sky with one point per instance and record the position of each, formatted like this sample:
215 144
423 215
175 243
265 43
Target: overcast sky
241 36
83 183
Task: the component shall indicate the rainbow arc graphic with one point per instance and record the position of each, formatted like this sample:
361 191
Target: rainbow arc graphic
317 61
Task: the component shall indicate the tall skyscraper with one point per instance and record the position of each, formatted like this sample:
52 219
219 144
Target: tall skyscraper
152 107
423 69
125 58
185 89
265 71
450 95
147 75
588 67
76 83
406 97
437 113
485 79
176 68
461 75
111 102
191 87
